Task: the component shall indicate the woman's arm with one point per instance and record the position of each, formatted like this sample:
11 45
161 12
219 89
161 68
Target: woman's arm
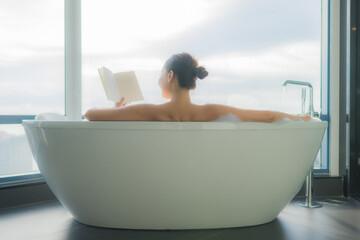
139 112
253 115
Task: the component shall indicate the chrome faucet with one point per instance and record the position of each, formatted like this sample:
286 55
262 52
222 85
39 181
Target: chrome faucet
311 108
309 203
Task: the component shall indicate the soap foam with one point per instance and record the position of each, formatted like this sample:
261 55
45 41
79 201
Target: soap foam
227 118
299 120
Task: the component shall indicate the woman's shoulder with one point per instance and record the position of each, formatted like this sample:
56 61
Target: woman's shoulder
217 109
211 111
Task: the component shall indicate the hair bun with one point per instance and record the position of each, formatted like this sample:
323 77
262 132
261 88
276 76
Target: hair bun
201 72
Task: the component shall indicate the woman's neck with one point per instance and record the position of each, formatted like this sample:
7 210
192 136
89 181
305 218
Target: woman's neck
180 97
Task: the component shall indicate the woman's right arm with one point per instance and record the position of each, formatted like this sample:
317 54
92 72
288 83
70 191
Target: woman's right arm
248 115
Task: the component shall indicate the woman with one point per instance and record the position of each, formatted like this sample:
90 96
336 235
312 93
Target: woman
178 77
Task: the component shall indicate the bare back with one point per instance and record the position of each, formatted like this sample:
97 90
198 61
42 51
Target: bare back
207 112
190 113
180 113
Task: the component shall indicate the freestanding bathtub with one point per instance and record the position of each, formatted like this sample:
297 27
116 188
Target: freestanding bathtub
174 175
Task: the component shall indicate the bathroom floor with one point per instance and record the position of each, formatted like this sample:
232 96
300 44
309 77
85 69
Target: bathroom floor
339 218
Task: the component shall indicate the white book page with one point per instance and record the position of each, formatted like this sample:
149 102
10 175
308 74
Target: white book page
110 86
128 86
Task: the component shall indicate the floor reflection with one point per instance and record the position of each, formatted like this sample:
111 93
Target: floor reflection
274 229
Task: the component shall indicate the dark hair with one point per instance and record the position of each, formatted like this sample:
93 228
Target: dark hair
186 68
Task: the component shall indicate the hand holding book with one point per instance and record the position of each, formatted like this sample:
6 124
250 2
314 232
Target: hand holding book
122 103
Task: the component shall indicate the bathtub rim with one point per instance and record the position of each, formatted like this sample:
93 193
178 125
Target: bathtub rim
163 125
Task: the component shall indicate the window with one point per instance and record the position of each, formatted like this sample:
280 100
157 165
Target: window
249 47
31 75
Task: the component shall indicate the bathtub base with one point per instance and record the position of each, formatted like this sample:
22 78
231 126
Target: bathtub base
167 227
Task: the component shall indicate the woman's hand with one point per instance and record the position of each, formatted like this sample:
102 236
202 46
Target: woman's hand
121 103
305 117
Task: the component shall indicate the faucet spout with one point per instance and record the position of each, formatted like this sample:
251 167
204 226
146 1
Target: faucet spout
307 84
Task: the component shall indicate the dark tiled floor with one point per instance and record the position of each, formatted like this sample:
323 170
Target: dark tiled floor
338 219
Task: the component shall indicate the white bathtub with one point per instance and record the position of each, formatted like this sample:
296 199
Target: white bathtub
174 175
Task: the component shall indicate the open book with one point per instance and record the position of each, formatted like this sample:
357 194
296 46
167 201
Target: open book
121 84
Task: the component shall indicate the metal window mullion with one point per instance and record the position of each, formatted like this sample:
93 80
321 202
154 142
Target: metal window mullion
73 72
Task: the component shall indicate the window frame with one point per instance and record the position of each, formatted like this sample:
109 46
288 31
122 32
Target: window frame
325 84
